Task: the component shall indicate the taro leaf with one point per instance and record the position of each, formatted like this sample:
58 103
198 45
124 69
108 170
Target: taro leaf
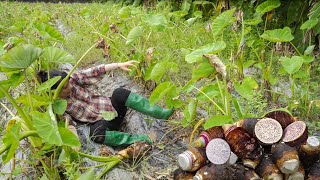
13 81
307 59
213 48
189 113
56 55
124 12
223 20
20 57
109 115
47 128
210 91
48 84
309 50
267 6
59 106
217 120
191 21
89 174
309 24
134 34
157 22
36 100
68 138
245 89
186 5
48 32
11 138
254 21
179 14
161 68
204 70
160 91
249 63
278 35
291 65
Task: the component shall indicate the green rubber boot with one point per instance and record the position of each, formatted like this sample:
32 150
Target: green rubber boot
117 138
141 104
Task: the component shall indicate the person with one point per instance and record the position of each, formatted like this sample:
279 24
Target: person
85 106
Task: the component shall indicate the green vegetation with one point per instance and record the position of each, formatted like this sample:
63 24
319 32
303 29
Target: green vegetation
233 62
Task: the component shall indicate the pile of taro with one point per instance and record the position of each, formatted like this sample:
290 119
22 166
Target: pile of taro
277 146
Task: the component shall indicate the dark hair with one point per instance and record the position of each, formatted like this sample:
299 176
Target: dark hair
43 76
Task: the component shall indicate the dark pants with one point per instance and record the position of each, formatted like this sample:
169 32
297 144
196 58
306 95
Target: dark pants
118 100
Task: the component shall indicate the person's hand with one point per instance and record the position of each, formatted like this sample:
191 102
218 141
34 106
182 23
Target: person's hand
125 65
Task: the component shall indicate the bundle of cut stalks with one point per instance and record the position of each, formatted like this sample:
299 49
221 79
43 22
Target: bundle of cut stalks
276 147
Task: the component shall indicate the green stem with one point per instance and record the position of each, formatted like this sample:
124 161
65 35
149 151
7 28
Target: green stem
27 87
214 103
26 119
295 48
108 168
57 92
100 158
22 135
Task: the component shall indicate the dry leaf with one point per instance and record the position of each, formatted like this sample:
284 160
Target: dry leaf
149 55
217 64
114 28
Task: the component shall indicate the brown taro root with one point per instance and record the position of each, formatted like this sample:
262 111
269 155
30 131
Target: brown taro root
135 150
179 174
192 159
254 159
283 117
309 152
299 175
268 131
208 135
285 157
314 173
225 172
218 151
214 172
248 124
295 134
240 141
266 169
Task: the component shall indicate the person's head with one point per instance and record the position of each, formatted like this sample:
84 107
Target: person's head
43 76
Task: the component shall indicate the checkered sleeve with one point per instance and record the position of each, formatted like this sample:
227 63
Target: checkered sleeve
89 76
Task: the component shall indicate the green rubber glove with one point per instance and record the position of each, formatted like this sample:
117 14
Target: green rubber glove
142 104
117 138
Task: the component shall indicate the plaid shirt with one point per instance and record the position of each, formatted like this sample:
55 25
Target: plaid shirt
82 104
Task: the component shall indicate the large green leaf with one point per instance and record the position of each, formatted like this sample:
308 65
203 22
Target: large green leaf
162 68
211 91
56 55
309 24
291 65
59 106
134 34
223 20
11 138
48 32
278 35
157 22
13 81
203 70
213 48
47 128
36 100
2 50
48 84
189 112
124 12
217 120
245 89
267 6
160 91
69 138
20 57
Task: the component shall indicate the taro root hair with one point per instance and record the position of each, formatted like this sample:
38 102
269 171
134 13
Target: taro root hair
43 76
